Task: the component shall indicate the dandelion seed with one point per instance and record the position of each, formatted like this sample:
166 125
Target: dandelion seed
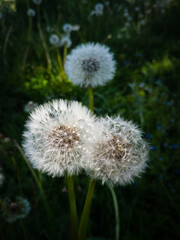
15 210
90 65
56 137
31 12
54 40
120 153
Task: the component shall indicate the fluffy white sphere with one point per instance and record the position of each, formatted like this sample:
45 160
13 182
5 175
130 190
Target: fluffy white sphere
54 40
31 12
67 28
120 153
58 134
90 65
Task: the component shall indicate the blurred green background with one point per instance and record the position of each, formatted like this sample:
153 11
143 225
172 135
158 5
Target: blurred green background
145 39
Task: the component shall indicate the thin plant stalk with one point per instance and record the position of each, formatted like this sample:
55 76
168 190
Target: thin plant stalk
49 66
72 202
18 175
61 68
116 210
91 100
64 55
23 229
39 184
6 212
86 211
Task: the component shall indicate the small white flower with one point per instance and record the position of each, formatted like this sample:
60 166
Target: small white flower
31 12
66 41
67 28
120 153
58 134
30 106
16 210
90 65
37 2
54 40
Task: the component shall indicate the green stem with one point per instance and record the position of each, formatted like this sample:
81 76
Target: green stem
49 65
116 210
86 211
18 176
64 55
72 202
91 100
39 183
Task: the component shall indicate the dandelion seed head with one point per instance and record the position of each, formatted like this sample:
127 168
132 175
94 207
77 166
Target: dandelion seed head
66 41
120 153
1 178
90 65
31 12
67 28
16 209
58 134
54 40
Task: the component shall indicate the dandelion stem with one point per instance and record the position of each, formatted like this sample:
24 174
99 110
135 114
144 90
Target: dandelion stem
86 211
72 202
64 55
91 101
116 210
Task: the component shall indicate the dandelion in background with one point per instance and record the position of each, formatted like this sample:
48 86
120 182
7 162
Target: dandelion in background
1 15
30 106
120 153
99 9
54 40
57 135
126 13
67 28
37 2
137 9
65 41
90 65
15 210
31 12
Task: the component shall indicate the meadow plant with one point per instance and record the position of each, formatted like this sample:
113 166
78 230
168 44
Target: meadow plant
64 138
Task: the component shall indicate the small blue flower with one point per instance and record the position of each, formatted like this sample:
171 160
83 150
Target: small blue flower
154 147
174 146
148 136
159 127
